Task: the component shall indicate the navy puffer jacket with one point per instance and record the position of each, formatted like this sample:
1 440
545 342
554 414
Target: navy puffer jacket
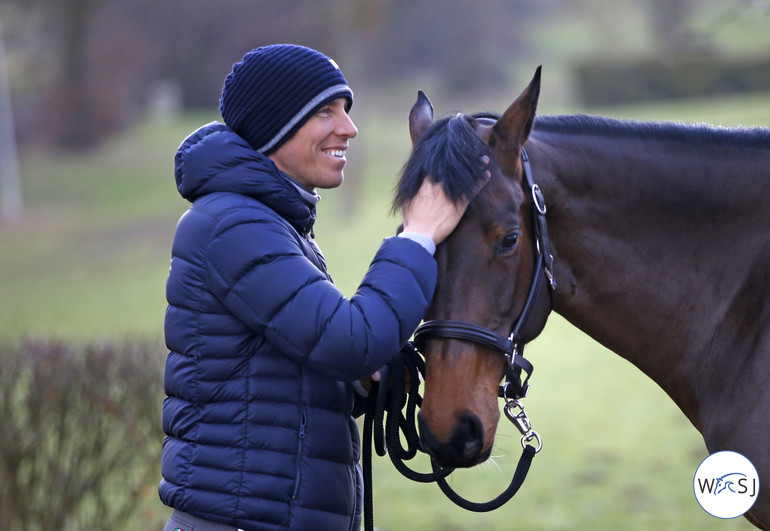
263 347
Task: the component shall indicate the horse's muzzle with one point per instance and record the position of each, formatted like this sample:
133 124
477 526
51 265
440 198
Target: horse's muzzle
463 449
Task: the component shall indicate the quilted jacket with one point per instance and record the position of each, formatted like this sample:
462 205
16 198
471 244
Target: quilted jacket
263 347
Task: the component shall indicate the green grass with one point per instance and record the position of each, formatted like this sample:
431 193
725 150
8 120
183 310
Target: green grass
90 257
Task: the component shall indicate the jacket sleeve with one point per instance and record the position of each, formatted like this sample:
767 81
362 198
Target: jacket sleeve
260 274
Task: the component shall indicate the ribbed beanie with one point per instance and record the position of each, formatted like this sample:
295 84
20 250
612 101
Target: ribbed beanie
275 89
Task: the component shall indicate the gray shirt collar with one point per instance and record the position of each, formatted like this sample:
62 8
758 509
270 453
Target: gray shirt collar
308 195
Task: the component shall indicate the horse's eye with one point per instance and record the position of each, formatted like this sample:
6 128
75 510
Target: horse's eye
508 242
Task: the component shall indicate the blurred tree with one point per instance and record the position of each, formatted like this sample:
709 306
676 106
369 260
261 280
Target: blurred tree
97 61
66 36
76 16
11 205
668 20
472 45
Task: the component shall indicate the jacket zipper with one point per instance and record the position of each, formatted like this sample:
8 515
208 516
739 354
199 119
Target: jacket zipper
300 447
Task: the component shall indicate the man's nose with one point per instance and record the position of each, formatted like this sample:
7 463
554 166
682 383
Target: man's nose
346 127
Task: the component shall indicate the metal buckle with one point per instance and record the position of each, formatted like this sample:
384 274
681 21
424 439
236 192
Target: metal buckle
509 391
522 423
538 200
549 276
520 419
528 437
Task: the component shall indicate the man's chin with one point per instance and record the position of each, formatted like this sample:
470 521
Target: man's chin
330 182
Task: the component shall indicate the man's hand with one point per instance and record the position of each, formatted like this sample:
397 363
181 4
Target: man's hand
431 212
377 377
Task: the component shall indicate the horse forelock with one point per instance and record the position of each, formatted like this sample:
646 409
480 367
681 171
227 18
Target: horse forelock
451 153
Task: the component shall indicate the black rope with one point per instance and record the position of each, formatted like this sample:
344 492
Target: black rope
518 479
385 435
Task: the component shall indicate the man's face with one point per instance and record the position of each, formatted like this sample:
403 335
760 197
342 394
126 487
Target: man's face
315 155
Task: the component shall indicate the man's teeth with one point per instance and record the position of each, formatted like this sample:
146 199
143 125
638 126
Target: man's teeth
336 153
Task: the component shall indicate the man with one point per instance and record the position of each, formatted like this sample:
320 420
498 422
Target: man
264 350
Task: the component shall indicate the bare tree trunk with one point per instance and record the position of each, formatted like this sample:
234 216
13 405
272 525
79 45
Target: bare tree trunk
668 18
11 205
78 119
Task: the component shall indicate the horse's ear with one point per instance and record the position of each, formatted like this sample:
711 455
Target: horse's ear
514 126
420 117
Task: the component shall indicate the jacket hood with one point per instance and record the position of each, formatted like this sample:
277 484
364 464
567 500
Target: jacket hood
215 159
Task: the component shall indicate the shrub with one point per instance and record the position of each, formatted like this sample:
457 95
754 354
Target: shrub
602 82
81 434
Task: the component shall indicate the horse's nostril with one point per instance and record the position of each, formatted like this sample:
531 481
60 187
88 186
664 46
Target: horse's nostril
472 449
469 435
464 447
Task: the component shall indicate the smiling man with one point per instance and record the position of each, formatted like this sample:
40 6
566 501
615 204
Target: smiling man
265 353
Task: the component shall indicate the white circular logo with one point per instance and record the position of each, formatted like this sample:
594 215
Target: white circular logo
726 484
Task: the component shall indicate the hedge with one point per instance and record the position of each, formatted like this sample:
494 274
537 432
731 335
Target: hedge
602 82
81 434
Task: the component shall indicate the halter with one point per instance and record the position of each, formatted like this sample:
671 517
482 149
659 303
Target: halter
384 435
513 345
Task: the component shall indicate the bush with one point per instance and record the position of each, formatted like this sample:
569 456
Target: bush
81 434
601 82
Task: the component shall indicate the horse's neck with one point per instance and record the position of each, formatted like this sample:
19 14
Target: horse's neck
660 248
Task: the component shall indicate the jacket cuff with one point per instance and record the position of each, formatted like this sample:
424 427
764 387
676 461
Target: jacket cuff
422 239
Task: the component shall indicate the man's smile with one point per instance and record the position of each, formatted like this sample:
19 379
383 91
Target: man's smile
338 153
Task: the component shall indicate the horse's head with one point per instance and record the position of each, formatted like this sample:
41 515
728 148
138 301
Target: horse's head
485 268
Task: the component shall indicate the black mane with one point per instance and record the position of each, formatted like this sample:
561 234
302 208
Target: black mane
450 152
661 131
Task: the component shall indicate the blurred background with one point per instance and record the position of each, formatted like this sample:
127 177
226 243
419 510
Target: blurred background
95 96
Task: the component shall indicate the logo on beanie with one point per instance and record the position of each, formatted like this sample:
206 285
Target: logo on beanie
336 67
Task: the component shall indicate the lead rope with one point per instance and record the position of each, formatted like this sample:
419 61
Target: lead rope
385 434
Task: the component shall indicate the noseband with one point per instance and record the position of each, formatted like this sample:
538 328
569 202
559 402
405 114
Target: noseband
513 345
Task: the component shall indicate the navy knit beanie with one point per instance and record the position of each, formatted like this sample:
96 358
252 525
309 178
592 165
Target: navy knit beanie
275 89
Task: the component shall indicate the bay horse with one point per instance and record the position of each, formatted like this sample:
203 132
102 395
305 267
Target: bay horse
660 236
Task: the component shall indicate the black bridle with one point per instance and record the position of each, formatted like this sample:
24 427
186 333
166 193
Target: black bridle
392 398
513 345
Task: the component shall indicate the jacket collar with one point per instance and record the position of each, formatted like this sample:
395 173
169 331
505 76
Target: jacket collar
215 159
